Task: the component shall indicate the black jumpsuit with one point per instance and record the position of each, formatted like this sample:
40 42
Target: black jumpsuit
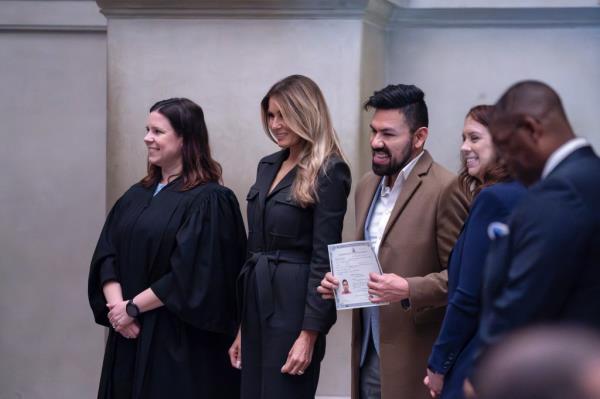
287 259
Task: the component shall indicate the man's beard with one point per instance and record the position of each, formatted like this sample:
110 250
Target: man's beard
394 166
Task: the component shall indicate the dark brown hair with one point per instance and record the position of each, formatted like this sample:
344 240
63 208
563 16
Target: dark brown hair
497 172
187 120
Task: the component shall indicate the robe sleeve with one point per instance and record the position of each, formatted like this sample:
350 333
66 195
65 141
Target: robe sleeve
209 251
329 211
103 268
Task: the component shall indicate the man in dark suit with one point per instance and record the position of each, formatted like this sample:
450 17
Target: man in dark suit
544 265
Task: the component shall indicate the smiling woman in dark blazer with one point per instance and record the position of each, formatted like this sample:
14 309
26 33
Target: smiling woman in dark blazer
295 209
485 178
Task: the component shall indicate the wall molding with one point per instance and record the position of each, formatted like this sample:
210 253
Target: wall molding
375 12
379 13
495 3
254 9
496 17
388 14
51 16
86 16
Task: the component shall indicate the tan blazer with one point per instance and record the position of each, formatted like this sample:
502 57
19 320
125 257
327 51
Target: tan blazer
417 241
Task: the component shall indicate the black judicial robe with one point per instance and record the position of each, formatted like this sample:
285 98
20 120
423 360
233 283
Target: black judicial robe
188 246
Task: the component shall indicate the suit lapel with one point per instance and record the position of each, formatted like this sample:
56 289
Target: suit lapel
268 173
410 186
287 180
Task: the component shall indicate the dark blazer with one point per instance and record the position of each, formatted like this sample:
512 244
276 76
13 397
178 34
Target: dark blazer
453 350
546 269
287 259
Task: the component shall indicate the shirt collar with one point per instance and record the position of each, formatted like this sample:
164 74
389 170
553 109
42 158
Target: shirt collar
402 175
562 152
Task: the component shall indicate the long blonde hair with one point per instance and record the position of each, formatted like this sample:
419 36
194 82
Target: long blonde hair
305 112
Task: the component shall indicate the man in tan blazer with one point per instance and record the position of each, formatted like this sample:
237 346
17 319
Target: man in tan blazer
411 210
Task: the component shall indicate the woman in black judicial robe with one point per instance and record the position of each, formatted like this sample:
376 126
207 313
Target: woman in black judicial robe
164 270
295 209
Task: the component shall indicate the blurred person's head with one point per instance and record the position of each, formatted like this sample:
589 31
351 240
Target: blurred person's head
528 125
542 363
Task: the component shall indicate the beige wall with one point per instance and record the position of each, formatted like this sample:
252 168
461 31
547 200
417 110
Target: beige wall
227 67
52 205
68 158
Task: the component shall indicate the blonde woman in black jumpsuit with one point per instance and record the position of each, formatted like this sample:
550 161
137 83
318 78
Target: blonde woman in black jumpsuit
295 209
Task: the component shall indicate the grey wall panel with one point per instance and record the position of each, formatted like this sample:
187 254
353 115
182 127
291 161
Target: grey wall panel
52 206
460 67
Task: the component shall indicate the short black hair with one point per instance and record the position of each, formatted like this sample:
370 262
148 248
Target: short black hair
409 99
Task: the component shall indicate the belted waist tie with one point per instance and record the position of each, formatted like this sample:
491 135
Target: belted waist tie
260 262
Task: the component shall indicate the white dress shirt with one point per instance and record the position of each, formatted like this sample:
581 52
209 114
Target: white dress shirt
562 152
385 204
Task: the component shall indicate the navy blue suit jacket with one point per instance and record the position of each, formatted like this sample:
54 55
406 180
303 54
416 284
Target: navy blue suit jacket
547 268
452 352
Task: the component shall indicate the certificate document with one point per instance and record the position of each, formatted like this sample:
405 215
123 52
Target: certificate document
351 263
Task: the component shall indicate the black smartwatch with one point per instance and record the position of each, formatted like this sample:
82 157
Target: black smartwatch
132 309
405 304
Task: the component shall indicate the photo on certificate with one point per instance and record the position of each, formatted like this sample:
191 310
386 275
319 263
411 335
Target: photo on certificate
351 263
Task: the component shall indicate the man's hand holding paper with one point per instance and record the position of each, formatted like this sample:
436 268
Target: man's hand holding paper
387 287
352 264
